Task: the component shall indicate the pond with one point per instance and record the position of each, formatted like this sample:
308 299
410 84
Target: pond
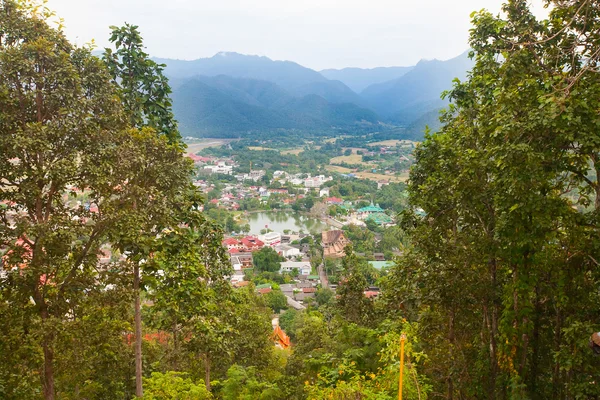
279 221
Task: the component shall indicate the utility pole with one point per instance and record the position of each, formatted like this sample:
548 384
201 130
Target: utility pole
402 340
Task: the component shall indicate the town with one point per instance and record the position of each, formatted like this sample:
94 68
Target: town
287 226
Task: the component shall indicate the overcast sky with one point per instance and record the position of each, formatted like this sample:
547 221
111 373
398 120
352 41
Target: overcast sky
315 33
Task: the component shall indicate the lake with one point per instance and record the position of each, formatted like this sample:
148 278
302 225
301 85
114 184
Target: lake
279 221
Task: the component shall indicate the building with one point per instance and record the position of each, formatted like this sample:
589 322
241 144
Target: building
280 339
271 238
364 212
287 251
379 265
250 243
303 267
334 201
220 168
324 192
232 243
381 219
334 243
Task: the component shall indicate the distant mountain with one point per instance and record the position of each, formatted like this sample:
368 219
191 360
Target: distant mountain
359 79
231 94
296 79
286 74
405 99
223 106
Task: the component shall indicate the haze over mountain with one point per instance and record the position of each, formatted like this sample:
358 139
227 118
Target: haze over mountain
359 79
232 94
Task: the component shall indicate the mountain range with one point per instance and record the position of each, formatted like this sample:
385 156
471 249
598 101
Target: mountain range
234 95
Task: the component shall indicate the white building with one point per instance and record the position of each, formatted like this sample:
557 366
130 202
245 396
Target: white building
316 181
271 238
220 168
287 250
324 192
303 267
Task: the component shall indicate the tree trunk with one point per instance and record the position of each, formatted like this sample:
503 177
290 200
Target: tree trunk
207 371
139 392
48 377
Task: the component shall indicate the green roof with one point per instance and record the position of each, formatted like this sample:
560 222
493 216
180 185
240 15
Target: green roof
264 286
381 264
380 218
313 277
371 208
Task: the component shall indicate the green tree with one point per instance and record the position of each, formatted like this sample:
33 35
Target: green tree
276 300
267 259
173 386
143 88
351 301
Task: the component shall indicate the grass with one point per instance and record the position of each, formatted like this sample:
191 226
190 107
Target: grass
197 145
293 151
368 175
393 142
337 168
351 159
259 148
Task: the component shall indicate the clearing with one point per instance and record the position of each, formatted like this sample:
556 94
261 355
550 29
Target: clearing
351 159
260 148
199 144
293 151
392 143
368 175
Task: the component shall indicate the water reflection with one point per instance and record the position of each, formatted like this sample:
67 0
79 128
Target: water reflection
279 221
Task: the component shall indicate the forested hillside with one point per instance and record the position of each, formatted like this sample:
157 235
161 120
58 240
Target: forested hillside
379 97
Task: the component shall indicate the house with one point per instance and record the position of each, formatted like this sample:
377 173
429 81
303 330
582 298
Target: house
334 243
324 192
303 267
334 201
232 243
250 243
271 238
379 256
287 251
364 212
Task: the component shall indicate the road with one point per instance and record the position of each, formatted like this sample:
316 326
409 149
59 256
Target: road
323 276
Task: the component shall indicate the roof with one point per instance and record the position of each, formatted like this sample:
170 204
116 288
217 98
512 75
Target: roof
329 237
265 290
231 241
380 218
281 338
370 294
242 284
309 290
264 286
381 264
313 277
371 208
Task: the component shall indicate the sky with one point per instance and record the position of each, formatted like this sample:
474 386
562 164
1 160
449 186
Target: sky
318 34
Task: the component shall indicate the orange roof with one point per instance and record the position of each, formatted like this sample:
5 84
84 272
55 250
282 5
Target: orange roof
281 338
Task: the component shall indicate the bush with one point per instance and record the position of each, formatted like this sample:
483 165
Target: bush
173 386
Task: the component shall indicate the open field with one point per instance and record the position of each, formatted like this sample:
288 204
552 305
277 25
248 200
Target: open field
391 143
293 151
367 175
355 149
337 168
260 148
351 159
379 177
197 145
